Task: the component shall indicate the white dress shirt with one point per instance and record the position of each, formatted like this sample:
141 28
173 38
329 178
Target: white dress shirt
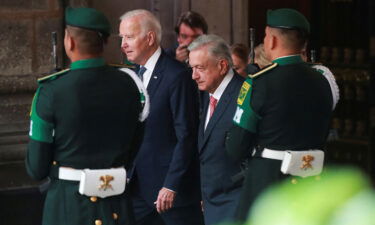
219 92
150 66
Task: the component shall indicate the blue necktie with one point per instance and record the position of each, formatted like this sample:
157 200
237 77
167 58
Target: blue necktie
141 71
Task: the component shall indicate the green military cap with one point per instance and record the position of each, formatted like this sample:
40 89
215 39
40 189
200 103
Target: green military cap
287 19
87 18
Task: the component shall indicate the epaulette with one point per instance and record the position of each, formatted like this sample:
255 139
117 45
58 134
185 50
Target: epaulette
52 76
314 64
265 69
122 65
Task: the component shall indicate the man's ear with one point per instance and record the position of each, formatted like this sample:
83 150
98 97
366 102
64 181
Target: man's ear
274 42
151 38
223 66
73 44
69 42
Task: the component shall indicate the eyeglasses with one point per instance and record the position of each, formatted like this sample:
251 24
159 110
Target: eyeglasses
186 36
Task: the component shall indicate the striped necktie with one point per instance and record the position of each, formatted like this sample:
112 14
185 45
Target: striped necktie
213 102
141 71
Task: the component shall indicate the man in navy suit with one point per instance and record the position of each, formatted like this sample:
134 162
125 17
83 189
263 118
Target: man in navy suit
165 180
211 61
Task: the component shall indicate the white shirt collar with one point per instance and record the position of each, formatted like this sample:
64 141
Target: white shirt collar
219 92
223 85
150 66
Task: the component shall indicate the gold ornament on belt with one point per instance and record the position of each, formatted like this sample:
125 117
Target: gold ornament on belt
106 182
307 159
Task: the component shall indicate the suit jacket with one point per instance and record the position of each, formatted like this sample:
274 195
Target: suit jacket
168 156
172 50
220 195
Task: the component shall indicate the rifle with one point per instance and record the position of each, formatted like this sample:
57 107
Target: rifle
252 67
54 52
313 56
252 43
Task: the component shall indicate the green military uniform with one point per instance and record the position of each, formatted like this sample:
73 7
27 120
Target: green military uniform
84 117
286 106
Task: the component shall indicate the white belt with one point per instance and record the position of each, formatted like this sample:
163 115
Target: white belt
66 173
273 154
96 182
297 163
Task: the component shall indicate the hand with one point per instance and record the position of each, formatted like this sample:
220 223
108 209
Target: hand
165 200
182 53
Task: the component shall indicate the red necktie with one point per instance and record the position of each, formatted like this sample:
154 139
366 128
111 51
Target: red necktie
213 102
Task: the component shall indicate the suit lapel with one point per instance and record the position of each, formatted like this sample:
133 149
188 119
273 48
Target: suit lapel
220 109
156 75
205 101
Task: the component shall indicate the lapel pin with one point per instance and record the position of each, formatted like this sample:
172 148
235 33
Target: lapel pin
155 77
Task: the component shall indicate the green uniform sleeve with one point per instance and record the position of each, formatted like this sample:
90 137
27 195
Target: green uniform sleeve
245 117
40 129
39 150
239 143
38 160
241 138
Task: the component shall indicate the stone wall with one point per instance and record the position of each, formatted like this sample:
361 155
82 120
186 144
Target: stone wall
25 54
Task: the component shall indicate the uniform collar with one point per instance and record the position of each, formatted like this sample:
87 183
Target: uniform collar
290 59
87 63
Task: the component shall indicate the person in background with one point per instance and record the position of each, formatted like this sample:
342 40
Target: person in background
211 62
284 108
165 179
239 53
260 57
85 120
189 26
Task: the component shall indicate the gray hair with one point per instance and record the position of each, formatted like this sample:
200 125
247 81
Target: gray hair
216 47
148 22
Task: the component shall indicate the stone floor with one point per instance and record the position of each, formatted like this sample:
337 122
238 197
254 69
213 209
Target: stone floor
21 201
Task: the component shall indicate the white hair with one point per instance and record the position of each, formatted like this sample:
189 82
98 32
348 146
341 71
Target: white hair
147 20
216 46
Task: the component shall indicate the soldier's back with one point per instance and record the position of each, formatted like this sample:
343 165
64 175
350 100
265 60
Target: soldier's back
295 106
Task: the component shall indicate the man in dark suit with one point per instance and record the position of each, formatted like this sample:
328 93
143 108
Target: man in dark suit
210 59
166 174
85 117
282 110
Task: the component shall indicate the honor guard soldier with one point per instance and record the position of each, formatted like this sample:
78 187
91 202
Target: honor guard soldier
283 112
86 128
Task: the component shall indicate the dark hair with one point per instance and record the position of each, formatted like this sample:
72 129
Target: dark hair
240 50
295 38
89 41
193 20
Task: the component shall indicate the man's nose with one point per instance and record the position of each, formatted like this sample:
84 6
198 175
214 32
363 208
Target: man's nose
195 74
188 41
124 43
